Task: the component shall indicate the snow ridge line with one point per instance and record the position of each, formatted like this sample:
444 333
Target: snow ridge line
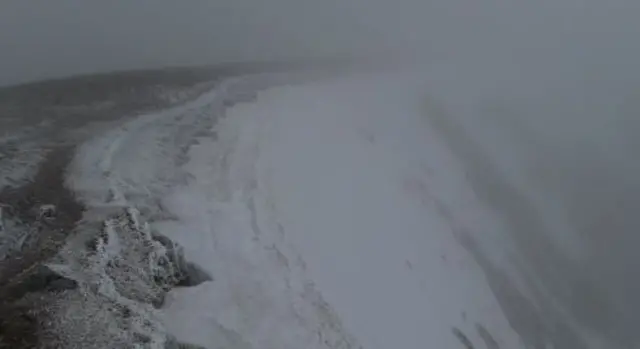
150 138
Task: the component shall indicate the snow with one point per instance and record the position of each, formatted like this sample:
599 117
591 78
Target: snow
132 167
260 295
363 210
329 212
328 215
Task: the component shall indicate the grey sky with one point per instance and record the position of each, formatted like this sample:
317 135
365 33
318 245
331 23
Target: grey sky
40 38
43 38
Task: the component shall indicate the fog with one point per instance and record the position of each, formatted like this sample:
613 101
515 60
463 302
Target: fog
43 39
40 39
561 76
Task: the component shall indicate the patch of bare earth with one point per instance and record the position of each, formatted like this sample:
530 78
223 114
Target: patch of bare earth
22 271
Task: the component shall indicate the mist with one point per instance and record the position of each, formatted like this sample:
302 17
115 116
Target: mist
43 39
560 76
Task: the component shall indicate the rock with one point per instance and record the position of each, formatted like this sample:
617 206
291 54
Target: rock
193 275
124 269
190 274
173 343
17 328
40 279
47 211
44 278
165 241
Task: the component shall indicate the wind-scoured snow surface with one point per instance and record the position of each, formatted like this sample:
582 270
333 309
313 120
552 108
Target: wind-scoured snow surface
328 213
341 183
130 178
322 211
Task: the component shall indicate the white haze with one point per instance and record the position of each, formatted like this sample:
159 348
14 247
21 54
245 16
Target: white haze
562 76
42 38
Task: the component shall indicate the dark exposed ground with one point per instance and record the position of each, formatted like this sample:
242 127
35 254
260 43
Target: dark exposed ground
48 232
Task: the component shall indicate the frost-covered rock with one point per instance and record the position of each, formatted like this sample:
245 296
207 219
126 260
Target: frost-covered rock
100 291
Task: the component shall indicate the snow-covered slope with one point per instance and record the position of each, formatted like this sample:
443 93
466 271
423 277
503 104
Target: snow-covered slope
331 210
153 166
324 212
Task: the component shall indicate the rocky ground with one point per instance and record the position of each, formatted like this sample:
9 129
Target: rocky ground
41 219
